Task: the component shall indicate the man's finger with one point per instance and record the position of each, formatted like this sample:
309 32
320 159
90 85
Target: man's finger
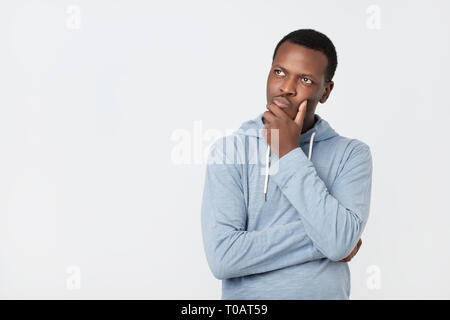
269 116
301 114
276 110
358 245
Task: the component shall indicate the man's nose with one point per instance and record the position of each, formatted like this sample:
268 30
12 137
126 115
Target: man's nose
288 87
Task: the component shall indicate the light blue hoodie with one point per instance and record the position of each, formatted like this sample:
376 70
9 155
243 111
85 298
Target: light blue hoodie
289 246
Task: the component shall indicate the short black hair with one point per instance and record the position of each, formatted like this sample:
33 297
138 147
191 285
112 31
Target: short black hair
314 40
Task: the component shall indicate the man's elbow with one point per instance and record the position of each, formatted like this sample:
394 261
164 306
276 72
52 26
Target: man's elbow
220 271
217 272
222 265
217 264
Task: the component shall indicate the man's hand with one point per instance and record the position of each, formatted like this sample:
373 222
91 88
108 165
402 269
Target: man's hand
289 130
353 253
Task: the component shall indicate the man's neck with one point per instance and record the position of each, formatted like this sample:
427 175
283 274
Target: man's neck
308 123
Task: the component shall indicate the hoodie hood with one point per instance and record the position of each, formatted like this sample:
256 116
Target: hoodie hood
321 131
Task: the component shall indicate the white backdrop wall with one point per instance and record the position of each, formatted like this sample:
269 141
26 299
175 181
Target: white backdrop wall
97 97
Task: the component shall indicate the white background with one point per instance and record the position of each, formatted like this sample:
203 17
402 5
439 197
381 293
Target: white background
93 92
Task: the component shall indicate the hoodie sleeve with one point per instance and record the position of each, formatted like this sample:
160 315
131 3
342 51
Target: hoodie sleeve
231 251
334 219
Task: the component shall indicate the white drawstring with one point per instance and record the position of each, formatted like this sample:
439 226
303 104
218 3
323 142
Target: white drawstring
311 141
310 145
267 172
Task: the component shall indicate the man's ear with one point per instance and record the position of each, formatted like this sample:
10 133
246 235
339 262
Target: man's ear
329 86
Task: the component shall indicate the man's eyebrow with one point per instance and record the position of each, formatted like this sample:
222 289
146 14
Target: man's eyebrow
302 74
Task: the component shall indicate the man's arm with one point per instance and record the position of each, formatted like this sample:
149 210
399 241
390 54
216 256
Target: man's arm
231 251
334 219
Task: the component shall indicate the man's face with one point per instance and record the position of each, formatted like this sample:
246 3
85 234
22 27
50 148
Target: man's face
298 74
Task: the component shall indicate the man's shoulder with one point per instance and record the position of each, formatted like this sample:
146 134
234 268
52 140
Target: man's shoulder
356 150
350 144
351 151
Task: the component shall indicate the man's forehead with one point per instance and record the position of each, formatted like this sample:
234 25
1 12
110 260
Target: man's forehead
300 59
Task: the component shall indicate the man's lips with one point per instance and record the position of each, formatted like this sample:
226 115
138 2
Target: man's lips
281 102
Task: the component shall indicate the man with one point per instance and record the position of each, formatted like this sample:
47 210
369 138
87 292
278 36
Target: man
286 228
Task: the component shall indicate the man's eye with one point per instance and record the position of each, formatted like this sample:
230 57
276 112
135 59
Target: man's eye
277 72
306 80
